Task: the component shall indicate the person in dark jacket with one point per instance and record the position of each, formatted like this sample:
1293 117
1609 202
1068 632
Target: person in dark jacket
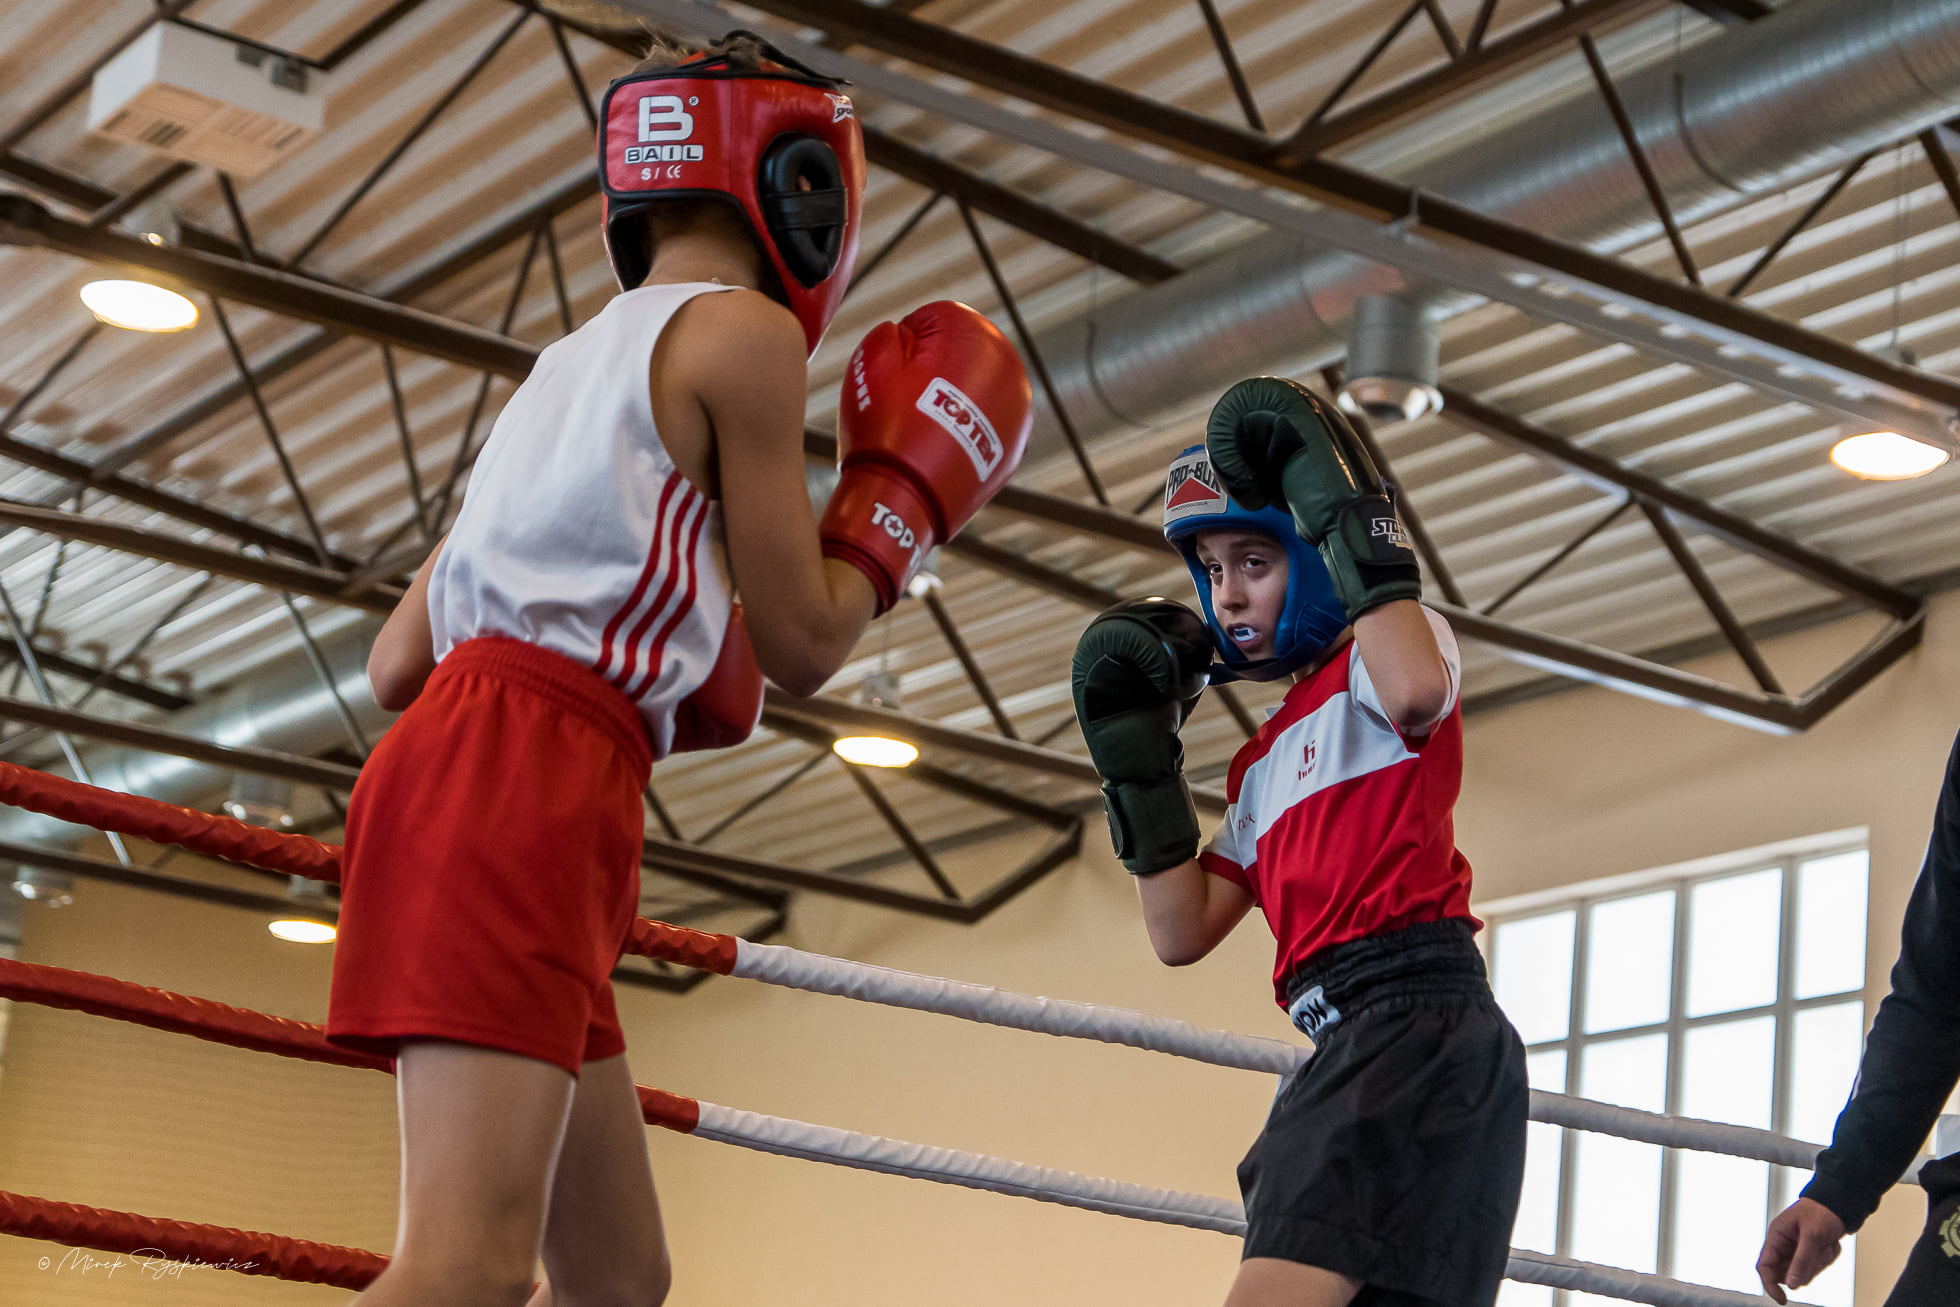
1911 1064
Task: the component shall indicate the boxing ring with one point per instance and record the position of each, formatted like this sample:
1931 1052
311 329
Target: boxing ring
303 1261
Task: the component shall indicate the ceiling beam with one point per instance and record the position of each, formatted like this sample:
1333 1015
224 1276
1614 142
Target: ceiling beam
996 201
950 782
1731 12
459 260
1631 674
682 859
262 762
1777 714
116 684
1390 223
1037 505
922 169
951 739
26 222
114 873
188 511
1476 67
1465 410
291 578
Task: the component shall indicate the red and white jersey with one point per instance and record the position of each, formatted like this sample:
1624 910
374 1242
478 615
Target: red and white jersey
579 534
1338 824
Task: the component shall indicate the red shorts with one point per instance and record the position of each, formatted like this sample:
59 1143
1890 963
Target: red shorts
492 865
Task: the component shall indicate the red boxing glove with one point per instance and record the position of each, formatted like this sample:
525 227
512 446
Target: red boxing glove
723 709
935 416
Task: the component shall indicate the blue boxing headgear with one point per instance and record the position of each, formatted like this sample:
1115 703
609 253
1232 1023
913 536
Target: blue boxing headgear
1312 617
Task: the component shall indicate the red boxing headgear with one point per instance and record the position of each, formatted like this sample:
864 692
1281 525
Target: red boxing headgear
781 142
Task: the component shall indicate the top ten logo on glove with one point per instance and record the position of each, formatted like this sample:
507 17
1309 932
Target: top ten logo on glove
948 405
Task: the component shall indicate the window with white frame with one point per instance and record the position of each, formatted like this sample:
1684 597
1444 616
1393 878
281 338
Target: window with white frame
1731 995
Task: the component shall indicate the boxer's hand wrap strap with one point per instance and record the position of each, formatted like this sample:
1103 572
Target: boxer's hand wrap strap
1153 824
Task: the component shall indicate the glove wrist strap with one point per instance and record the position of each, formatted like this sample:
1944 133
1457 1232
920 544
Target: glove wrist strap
1368 554
877 522
1153 824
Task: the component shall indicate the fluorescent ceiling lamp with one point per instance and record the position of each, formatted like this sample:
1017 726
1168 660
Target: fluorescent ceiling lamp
1886 456
53 888
299 931
875 751
138 306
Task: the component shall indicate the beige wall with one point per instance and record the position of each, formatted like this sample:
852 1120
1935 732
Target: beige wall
111 1115
1595 784
1568 789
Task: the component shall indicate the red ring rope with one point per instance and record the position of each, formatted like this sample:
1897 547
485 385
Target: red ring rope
178 1242
220 1023
165 823
281 851
217 1246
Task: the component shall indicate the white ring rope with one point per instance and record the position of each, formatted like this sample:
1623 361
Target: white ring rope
821 1143
793 968
776 965
1633 1286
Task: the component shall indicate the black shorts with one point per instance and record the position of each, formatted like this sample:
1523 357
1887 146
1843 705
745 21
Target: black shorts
1932 1274
1395 1155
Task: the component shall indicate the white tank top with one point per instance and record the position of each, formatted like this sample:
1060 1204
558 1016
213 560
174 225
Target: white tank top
579 535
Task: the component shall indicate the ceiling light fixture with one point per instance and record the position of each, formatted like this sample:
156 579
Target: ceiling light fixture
53 888
261 801
875 751
879 690
298 930
1392 360
1886 456
138 306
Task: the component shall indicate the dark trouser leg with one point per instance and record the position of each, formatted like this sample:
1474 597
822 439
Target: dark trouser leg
1932 1274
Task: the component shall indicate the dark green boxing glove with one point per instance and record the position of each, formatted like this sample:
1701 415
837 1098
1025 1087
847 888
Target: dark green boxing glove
1138 672
1273 441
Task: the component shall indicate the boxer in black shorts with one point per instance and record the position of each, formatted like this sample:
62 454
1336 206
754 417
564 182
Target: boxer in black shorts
1389 1169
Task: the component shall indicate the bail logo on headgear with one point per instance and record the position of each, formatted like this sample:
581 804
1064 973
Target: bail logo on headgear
1192 487
664 118
946 404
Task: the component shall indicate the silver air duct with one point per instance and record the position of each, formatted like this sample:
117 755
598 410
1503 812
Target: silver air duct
283 705
1750 110
1393 355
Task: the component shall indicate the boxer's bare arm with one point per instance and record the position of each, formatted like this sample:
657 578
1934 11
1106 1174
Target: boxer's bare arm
744 359
1399 649
1188 911
404 654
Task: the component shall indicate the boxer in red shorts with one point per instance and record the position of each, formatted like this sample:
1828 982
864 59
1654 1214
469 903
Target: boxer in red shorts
580 622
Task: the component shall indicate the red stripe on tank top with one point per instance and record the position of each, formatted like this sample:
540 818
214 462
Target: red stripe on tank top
606 648
679 566
659 645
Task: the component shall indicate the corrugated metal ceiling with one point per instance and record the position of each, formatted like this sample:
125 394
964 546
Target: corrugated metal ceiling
1875 265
